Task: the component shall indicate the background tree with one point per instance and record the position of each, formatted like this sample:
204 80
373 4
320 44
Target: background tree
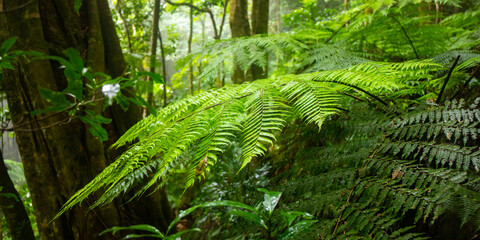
59 152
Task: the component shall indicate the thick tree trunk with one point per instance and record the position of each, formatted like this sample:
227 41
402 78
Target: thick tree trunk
12 207
260 13
240 27
60 160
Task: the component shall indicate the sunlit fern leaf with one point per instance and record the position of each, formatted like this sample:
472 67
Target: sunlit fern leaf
224 128
266 114
242 52
323 57
313 101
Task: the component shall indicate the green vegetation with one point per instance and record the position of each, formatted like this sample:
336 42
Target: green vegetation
339 120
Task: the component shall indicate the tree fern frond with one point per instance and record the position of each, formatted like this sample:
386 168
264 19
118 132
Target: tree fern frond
313 101
265 115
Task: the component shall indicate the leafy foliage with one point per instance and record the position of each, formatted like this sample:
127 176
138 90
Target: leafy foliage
208 123
422 171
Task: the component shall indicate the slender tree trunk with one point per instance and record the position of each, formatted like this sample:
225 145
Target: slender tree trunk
125 25
12 207
59 160
190 37
260 15
164 69
153 49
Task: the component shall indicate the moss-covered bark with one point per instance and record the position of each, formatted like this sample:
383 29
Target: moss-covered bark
12 207
260 14
60 160
240 27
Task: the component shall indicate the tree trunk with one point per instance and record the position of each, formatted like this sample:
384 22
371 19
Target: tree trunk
59 160
153 50
260 12
12 207
240 27
190 37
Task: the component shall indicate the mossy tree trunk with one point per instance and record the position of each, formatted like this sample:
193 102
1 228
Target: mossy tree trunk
260 15
240 27
60 160
12 207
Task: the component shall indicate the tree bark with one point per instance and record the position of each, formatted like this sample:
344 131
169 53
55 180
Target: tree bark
59 160
260 13
239 27
12 207
153 49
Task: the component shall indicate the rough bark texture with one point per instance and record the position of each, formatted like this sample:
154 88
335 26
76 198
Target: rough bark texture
12 207
260 13
240 27
60 160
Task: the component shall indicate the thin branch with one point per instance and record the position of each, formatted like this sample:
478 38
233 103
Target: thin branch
357 88
205 10
223 19
20 123
16 129
344 207
446 80
188 5
212 18
17 7
125 25
406 35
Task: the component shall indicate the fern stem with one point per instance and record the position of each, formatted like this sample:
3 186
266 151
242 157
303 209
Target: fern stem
211 106
465 85
341 214
446 79
359 89
406 35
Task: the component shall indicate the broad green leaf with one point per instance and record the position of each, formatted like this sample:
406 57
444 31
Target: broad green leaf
9 195
61 60
49 109
77 4
271 199
256 218
95 129
143 227
122 101
75 59
100 119
292 215
177 235
225 203
132 236
6 45
97 117
300 227
53 97
141 102
157 78
6 65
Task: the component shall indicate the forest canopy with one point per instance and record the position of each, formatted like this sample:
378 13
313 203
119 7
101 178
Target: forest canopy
236 119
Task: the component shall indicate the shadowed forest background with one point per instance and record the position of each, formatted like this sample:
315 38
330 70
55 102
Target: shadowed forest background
238 119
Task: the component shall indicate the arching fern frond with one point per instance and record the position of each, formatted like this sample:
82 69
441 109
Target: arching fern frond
206 124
